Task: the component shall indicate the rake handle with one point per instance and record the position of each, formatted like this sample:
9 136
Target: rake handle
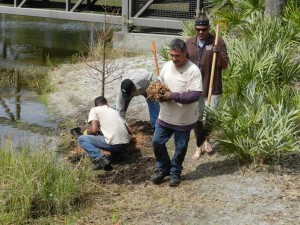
212 74
155 58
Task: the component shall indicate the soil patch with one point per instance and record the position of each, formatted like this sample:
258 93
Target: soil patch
129 174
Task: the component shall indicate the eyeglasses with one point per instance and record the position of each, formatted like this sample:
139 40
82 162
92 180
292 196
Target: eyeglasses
201 29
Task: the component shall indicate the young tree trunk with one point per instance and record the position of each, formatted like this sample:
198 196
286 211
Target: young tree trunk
104 39
274 8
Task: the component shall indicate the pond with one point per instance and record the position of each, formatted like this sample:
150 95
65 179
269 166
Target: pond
28 47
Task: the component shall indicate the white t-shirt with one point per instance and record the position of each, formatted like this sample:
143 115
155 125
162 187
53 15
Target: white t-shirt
186 78
111 124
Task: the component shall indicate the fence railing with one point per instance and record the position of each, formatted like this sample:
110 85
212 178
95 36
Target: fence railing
165 14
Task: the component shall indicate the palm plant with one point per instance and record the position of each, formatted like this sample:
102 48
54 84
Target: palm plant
254 130
188 28
291 13
231 13
163 51
259 116
264 52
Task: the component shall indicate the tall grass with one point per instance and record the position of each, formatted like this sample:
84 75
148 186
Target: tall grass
37 184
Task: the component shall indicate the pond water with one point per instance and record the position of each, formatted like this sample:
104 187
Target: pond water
28 44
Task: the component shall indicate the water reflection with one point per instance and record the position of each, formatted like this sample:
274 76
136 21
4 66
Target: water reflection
32 40
23 119
27 43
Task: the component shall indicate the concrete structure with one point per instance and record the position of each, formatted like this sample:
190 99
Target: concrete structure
140 42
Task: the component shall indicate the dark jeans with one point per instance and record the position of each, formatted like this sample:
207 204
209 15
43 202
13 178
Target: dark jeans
163 162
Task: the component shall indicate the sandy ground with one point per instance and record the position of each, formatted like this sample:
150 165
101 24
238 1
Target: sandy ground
76 88
214 190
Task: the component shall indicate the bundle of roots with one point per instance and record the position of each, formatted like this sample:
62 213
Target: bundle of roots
156 90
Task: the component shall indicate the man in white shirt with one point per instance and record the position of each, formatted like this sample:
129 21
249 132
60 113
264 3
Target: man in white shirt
178 112
107 131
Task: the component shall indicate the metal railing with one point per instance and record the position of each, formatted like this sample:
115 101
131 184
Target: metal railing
165 14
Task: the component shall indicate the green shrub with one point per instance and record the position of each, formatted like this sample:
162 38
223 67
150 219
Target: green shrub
163 51
259 116
251 128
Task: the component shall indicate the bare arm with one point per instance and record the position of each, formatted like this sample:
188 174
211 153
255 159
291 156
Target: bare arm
93 129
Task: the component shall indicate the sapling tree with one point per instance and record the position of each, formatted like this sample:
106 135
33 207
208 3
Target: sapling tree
102 58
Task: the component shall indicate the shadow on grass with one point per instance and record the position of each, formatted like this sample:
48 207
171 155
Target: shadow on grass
288 164
213 169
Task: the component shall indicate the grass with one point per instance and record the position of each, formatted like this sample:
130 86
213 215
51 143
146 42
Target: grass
36 184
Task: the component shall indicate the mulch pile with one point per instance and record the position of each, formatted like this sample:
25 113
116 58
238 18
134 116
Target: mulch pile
156 91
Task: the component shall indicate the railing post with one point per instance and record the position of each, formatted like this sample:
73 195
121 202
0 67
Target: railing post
68 5
125 15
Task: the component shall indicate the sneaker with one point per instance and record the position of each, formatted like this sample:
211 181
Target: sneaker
158 177
102 163
175 180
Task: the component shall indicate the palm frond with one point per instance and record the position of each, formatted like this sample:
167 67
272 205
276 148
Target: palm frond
188 28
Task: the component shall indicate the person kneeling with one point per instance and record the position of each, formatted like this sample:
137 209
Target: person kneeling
108 131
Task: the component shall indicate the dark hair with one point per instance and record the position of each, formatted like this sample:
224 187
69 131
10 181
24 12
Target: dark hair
100 101
177 43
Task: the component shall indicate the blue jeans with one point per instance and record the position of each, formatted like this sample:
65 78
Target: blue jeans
92 143
153 107
163 162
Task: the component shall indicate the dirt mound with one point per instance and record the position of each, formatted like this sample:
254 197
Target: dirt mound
133 173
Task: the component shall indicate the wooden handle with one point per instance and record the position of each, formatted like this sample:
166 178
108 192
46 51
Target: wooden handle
212 74
155 58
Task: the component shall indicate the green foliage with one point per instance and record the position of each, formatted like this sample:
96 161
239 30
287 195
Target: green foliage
259 116
163 51
252 129
51 63
116 215
231 13
291 13
37 184
29 78
264 53
188 28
